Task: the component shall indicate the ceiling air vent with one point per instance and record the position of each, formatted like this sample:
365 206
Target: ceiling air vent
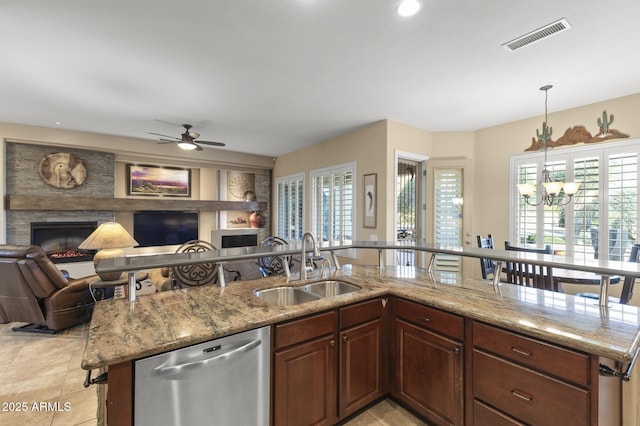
537 35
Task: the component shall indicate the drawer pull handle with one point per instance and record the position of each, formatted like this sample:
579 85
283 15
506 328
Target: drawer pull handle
521 395
344 338
521 352
424 318
332 343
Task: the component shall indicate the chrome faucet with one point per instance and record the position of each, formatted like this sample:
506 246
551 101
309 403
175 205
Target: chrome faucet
327 262
316 254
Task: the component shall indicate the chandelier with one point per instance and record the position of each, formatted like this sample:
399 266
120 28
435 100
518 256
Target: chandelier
548 191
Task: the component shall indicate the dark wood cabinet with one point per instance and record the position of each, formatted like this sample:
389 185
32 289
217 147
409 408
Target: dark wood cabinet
328 366
305 383
428 362
362 369
305 371
519 380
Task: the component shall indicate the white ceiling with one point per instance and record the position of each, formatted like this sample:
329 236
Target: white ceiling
272 76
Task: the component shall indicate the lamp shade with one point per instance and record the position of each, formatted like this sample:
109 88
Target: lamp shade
526 189
108 235
110 238
570 188
187 145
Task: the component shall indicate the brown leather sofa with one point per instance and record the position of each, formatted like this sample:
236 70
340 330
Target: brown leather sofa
34 290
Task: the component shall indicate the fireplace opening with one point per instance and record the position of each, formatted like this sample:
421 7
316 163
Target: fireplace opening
60 240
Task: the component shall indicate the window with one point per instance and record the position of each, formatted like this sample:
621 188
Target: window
602 219
332 204
290 201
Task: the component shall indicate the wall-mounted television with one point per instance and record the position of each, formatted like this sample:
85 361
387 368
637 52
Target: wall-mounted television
163 228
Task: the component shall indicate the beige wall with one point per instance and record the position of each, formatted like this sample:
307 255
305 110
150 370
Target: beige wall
495 146
484 153
366 146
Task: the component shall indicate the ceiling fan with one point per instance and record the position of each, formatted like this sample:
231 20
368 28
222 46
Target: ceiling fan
187 140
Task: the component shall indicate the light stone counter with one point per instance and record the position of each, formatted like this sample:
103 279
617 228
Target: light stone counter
123 331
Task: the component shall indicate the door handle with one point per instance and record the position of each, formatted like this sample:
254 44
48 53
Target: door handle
173 370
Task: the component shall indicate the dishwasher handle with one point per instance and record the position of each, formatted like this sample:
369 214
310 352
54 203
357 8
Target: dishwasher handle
168 372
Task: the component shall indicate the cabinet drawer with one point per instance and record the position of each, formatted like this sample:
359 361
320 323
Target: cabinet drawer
527 395
560 362
483 415
434 319
297 331
360 313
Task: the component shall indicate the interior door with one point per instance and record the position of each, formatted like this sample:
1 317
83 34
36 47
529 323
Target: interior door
449 193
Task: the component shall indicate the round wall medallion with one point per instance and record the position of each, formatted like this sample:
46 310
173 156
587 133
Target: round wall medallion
238 185
62 170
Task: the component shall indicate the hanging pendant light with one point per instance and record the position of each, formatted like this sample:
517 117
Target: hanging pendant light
548 190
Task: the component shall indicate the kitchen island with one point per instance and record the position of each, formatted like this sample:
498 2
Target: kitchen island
123 331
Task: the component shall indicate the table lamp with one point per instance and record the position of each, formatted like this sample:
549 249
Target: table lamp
109 238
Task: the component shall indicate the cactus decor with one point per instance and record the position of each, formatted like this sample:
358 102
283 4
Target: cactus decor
546 133
576 134
604 124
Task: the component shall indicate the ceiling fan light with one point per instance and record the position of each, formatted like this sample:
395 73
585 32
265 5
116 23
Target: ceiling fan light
408 8
189 146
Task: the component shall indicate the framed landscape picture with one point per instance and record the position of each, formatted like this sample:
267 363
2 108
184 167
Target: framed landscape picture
158 181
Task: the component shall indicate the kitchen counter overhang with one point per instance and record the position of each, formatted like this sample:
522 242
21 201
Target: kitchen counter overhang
123 331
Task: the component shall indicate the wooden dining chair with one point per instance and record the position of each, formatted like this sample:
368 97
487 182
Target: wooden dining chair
527 273
487 266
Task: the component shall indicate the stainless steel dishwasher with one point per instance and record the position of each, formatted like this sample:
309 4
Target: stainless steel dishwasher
221 382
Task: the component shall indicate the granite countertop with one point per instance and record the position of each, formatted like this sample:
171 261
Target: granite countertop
122 331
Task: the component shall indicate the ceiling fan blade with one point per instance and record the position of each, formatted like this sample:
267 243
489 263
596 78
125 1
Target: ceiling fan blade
199 148
166 141
165 136
211 143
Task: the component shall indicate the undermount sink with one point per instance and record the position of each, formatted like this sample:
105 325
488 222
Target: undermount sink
331 288
285 296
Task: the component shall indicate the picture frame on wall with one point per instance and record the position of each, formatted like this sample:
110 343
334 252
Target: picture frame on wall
370 200
158 181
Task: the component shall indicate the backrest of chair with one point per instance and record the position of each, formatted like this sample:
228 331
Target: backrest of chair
196 274
627 286
487 266
527 273
545 250
38 271
273 265
27 277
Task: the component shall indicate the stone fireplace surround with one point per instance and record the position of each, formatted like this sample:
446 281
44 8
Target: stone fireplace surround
23 179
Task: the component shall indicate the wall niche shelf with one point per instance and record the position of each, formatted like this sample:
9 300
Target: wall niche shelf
36 203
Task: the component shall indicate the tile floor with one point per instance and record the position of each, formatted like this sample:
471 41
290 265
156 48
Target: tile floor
41 384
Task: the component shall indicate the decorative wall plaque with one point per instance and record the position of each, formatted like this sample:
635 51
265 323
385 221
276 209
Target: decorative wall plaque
62 170
579 134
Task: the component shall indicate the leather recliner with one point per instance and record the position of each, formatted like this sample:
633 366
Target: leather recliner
34 290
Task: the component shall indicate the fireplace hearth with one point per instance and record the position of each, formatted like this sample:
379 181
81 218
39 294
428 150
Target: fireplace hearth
60 240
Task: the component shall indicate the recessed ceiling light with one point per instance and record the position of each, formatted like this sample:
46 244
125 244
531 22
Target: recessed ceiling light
58 123
408 8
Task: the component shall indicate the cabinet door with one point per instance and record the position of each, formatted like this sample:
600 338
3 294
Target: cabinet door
305 383
360 367
429 373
